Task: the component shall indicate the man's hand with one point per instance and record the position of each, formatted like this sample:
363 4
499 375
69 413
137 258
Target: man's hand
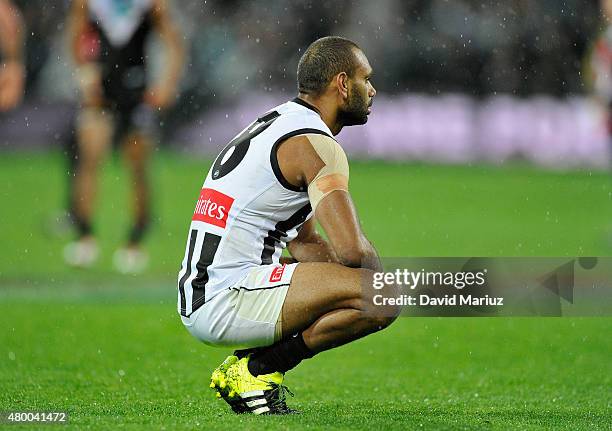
163 94
12 79
309 246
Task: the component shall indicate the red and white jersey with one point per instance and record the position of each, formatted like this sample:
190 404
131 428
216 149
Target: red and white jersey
246 212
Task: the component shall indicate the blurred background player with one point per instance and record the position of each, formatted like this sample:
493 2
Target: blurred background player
599 64
12 70
599 69
108 40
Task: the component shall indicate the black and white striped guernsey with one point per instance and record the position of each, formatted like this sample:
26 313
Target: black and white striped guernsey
246 211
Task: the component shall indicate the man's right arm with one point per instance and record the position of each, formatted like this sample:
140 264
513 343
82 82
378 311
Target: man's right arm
338 217
318 162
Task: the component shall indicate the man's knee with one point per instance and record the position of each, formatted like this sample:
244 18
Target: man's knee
378 322
95 124
378 316
359 295
360 285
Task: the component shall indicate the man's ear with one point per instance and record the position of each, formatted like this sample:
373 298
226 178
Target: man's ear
342 84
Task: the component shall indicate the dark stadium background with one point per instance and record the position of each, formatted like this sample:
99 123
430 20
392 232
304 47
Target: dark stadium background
484 141
478 48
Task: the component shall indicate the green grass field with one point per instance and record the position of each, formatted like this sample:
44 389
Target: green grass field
111 351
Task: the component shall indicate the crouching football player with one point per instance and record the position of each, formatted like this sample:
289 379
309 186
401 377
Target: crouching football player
263 194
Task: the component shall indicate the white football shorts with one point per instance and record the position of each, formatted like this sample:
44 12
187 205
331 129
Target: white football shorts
248 314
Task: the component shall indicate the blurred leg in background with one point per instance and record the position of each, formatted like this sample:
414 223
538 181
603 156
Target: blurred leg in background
136 127
93 133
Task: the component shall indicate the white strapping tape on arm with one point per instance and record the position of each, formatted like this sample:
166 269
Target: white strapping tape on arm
334 175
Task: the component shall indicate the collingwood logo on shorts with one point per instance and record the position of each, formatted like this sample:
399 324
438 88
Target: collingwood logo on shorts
277 274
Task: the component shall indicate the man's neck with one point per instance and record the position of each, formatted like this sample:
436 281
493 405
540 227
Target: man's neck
328 114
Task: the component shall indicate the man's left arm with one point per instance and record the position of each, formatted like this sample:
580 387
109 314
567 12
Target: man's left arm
309 246
163 93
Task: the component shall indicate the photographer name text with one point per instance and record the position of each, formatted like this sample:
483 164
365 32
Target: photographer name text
445 301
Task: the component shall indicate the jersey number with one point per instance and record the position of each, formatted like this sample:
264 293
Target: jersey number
234 152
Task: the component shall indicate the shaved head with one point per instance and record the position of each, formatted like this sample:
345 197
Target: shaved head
324 59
